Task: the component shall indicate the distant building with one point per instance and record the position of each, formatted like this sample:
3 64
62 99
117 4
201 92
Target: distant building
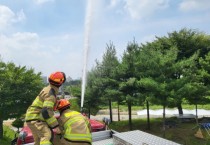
68 79
67 96
64 95
44 78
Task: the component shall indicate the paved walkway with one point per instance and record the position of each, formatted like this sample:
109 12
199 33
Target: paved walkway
136 114
123 115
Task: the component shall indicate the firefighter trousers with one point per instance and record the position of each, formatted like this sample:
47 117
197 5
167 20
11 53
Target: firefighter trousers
41 132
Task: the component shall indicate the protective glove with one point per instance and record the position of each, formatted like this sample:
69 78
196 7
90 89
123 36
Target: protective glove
57 130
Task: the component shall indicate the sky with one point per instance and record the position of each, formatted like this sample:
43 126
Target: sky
52 35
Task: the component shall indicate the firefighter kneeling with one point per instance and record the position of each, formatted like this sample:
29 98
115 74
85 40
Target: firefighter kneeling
75 127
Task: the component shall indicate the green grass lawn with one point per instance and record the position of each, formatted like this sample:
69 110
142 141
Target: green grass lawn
182 133
8 136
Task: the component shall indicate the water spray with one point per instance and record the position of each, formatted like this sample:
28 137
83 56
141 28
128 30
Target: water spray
86 48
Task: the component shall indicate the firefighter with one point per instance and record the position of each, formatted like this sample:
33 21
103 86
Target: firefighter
40 116
75 127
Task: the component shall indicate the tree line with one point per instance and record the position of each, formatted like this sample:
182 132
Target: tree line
167 71
18 88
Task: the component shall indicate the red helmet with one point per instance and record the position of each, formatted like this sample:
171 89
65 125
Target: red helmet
57 78
62 104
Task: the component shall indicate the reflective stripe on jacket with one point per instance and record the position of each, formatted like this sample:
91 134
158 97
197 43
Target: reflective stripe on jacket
45 143
76 126
46 99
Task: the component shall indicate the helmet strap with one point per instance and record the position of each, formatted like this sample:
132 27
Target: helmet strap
63 109
54 83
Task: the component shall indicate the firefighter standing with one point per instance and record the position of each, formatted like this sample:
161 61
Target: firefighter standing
40 116
75 127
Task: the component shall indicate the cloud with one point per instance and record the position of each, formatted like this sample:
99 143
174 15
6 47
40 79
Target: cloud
19 46
138 9
8 17
191 5
148 38
44 54
20 16
113 3
22 48
40 2
25 38
24 44
61 47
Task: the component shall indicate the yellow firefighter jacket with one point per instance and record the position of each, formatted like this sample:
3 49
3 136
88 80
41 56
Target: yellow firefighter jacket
76 127
45 99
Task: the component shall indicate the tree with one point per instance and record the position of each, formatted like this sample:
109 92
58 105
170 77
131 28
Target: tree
197 89
18 88
188 42
108 84
92 99
18 123
158 69
128 77
74 90
155 74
